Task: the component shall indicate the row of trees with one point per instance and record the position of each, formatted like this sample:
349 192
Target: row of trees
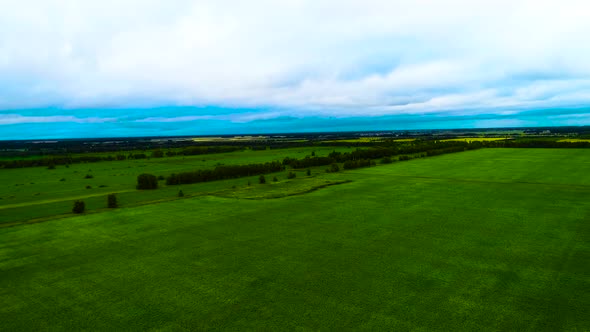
362 157
222 172
352 164
53 161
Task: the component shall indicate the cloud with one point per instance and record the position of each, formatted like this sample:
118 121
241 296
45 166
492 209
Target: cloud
295 58
10 119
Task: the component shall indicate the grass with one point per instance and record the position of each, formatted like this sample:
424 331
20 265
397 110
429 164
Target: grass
38 192
369 140
474 139
493 239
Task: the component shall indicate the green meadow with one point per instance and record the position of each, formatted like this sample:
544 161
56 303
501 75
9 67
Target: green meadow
490 239
38 193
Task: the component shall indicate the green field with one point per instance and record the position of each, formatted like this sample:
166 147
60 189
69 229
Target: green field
37 192
491 239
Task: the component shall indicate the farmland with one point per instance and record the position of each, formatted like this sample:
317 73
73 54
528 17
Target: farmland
491 239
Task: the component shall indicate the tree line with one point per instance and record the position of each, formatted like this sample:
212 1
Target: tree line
223 172
67 160
363 157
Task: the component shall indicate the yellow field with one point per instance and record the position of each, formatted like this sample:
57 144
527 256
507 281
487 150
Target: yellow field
574 140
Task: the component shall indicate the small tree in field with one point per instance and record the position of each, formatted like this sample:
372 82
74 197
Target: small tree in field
308 172
79 207
274 179
291 175
262 179
112 201
180 193
147 181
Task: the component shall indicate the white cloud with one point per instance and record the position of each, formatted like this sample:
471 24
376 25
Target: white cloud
319 57
6 119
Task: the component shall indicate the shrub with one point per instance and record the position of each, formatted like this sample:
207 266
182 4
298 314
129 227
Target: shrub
79 207
180 193
158 154
333 168
89 176
112 201
261 179
88 187
161 177
386 160
291 175
62 179
308 173
274 179
147 181
51 167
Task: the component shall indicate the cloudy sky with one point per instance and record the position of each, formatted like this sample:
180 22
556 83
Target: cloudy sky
175 67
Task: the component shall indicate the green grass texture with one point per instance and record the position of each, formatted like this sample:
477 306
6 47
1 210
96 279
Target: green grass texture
493 239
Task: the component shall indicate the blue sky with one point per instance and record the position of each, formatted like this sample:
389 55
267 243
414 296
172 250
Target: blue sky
152 67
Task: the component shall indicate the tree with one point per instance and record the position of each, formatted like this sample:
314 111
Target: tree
333 168
79 207
112 201
386 160
274 179
291 175
180 193
158 154
308 172
88 176
147 181
261 179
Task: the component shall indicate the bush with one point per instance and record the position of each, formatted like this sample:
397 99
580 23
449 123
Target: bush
88 187
161 177
274 179
261 179
180 193
147 181
62 179
79 207
308 173
112 201
386 160
89 176
51 167
333 168
291 175
158 154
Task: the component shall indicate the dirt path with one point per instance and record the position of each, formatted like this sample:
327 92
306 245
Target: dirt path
47 201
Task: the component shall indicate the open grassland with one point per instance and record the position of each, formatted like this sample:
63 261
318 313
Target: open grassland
38 192
493 239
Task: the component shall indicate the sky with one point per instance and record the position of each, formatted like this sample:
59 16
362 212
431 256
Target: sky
106 68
